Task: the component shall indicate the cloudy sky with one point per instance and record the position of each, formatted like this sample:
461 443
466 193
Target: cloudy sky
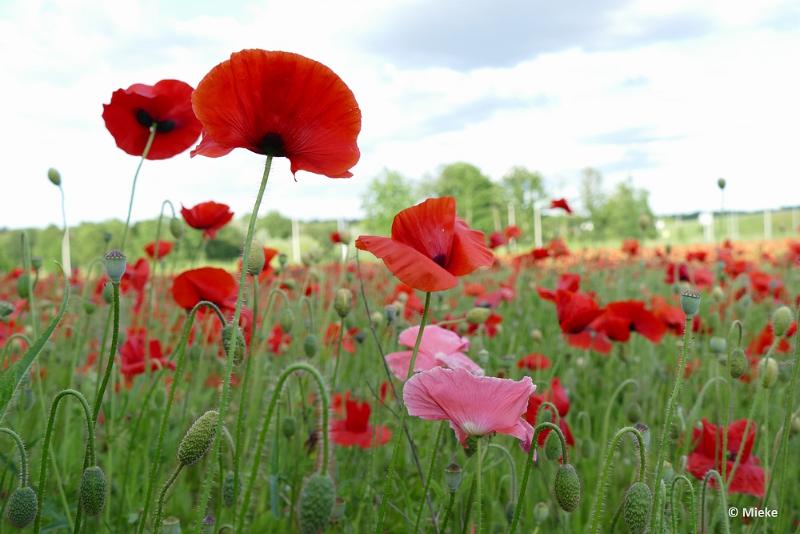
672 94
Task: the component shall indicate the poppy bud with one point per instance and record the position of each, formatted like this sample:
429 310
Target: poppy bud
536 335
391 313
567 487
6 309
198 439
378 319
721 183
54 176
89 307
286 319
288 426
478 315
316 504
552 447
23 288
107 237
343 301
289 283
228 332
310 345
718 345
176 228
690 302
541 512
781 320
796 424
633 412
21 507
36 263
229 489
108 293
115 262
717 293
256 260
93 490
738 363
452 477
636 507
402 297
283 259
768 368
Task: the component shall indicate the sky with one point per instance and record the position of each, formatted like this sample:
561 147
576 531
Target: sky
671 95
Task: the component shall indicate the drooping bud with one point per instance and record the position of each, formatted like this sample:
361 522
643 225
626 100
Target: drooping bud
21 507
552 447
93 490
768 369
478 315
229 490
343 301
54 176
718 345
781 320
796 424
229 332
633 411
452 477
316 504
23 287
286 319
567 487
721 183
541 512
6 309
690 302
176 228
636 507
256 260
310 345
198 438
288 426
738 363
115 262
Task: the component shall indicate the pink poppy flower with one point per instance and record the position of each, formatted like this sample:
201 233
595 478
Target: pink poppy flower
474 405
439 348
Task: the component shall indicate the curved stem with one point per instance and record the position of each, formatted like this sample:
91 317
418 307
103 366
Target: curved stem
145 152
713 473
324 414
612 401
162 497
674 504
512 468
23 456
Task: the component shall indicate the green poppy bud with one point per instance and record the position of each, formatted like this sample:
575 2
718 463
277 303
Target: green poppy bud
36 263
108 293
636 507
23 287
343 301
690 302
378 319
288 426
310 345
54 176
115 262
541 512
176 228
478 315
452 477
198 439
738 363
721 183
228 333
633 412
256 260
286 319
89 307
781 320
316 504
768 369
552 446
93 490
567 487
6 309
22 507
229 489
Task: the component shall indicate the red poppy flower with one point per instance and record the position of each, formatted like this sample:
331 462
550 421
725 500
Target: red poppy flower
560 203
430 247
567 282
624 317
132 355
496 239
279 104
167 104
267 271
672 316
135 278
278 340
164 248
558 396
575 311
206 283
630 247
534 362
512 232
207 216
749 476
355 429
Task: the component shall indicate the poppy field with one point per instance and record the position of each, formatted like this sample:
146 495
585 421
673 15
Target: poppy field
434 379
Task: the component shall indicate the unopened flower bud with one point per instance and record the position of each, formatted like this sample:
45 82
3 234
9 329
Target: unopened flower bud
452 477
54 176
89 307
36 263
536 335
690 302
377 319
478 315
781 320
768 369
567 487
256 260
6 309
796 424
233 340
283 259
21 507
718 345
92 495
288 426
721 183
176 228
541 512
286 319
636 507
552 446
23 286
391 313
310 345
107 237
633 412
198 438
718 293
738 364
343 301
317 499
115 262
108 293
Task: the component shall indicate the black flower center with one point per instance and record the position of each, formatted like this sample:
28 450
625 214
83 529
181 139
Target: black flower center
272 145
440 259
144 118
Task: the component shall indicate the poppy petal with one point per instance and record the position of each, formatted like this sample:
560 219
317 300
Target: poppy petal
408 264
468 252
428 228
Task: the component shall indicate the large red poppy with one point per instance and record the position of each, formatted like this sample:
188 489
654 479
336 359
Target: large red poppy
355 429
430 247
575 310
132 355
167 104
206 283
164 248
279 104
207 216
708 454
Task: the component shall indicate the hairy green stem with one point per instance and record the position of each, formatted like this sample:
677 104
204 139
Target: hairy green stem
162 497
98 400
723 500
674 503
23 456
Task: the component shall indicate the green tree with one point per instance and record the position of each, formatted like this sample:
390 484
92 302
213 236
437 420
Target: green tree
627 212
477 198
522 188
386 194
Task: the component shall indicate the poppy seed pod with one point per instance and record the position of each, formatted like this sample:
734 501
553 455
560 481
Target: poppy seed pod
228 332
478 315
567 487
93 490
768 369
781 320
22 507
256 260
343 302
54 176
6 309
115 263
738 363
176 228
310 345
718 345
316 504
452 477
541 512
636 507
286 319
198 438
229 489
690 302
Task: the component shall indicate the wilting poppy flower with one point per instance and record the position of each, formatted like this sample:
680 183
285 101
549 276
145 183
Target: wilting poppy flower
708 454
207 216
355 429
167 105
474 405
430 247
439 348
560 203
279 104
164 248
206 283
